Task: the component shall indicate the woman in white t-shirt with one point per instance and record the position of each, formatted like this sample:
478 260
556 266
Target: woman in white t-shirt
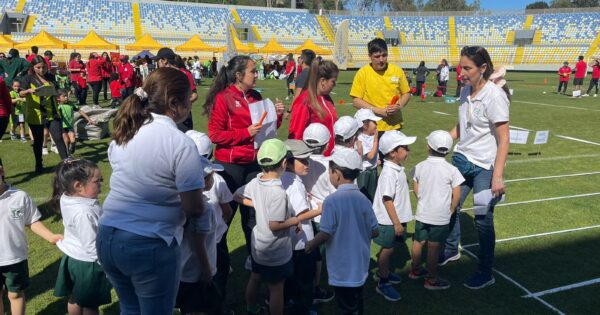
480 154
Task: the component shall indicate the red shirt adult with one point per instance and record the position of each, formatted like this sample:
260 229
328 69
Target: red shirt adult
289 68
5 100
228 125
458 73
126 74
30 57
115 89
190 78
596 72
76 64
564 73
107 69
304 115
580 69
94 69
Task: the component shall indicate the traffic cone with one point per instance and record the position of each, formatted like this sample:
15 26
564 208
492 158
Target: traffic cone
545 81
423 96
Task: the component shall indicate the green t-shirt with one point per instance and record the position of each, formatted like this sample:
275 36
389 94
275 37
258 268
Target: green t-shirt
67 112
19 104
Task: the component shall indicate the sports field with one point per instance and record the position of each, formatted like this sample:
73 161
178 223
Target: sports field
548 229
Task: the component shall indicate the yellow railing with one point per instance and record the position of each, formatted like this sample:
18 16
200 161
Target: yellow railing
236 16
327 28
388 23
137 21
453 49
20 6
510 38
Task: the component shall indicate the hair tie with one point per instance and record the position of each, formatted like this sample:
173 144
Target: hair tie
141 94
498 77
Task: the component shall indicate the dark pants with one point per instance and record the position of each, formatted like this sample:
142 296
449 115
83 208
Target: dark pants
563 85
80 93
3 125
223 262
459 85
593 82
419 87
367 182
443 85
350 300
126 92
55 129
105 87
300 287
96 91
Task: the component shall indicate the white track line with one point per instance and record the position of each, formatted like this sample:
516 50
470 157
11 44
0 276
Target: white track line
578 140
557 106
550 177
552 158
563 288
519 128
442 113
538 235
540 200
520 286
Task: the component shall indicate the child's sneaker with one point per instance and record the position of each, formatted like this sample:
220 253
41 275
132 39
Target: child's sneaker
479 280
322 296
393 278
54 149
13 136
446 258
388 292
436 284
23 140
44 151
418 273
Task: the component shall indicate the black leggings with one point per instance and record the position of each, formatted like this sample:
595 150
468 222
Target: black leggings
3 125
105 88
563 85
80 93
593 82
55 129
419 87
96 91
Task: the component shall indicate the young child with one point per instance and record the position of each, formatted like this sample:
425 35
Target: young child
67 111
197 75
347 226
563 77
82 90
271 246
367 180
346 130
437 188
17 118
115 90
17 210
76 186
392 208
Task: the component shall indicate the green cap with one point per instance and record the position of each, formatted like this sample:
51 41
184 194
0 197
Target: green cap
271 152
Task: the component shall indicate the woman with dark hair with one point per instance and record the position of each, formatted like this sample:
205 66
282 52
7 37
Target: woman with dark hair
290 75
230 127
421 73
77 69
14 66
314 104
480 155
107 69
94 68
444 76
41 109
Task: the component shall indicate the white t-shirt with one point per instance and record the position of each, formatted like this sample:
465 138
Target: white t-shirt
219 194
477 118
190 263
349 220
271 203
436 179
392 183
80 219
317 181
17 210
367 144
444 73
298 198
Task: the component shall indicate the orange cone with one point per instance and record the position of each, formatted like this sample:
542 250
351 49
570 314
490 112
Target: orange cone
545 81
423 96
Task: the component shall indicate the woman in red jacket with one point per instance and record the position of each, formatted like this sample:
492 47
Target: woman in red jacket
5 107
126 75
94 70
230 127
314 105
106 71
77 69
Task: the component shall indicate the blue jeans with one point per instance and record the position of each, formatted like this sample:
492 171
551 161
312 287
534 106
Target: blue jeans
144 271
476 179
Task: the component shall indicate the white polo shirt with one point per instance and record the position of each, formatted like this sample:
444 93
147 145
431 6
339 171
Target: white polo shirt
392 183
317 181
298 198
17 210
80 219
367 144
190 262
436 179
219 194
477 118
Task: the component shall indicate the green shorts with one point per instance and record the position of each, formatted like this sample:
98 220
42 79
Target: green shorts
15 277
273 274
367 183
430 232
387 237
84 281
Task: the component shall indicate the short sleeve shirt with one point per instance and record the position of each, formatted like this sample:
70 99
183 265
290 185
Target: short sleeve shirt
580 69
302 79
298 197
317 181
436 179
378 90
392 183
219 194
67 112
17 210
190 263
367 145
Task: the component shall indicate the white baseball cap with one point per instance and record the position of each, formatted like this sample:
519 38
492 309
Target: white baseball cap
366 114
202 142
209 167
347 158
316 135
346 126
392 139
440 141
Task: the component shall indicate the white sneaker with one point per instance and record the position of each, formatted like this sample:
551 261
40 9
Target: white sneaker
44 151
248 264
585 95
595 95
287 98
54 149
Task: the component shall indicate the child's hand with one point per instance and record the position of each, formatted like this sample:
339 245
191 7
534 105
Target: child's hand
55 238
299 228
398 229
308 248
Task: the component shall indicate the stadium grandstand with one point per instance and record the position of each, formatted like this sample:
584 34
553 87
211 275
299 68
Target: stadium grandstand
522 40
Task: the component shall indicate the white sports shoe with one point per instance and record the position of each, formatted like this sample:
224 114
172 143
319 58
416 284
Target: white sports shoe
585 95
44 151
595 95
54 149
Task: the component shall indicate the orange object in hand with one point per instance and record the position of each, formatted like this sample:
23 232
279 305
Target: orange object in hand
262 118
395 99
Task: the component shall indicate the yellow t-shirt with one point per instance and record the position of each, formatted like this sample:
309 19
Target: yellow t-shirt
378 90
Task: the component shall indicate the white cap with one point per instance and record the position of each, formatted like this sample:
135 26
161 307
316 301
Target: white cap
347 158
440 141
392 139
202 142
316 135
209 167
366 114
346 127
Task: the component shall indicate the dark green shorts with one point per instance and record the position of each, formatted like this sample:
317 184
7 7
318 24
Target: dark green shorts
273 274
430 232
367 183
15 277
198 298
84 281
387 237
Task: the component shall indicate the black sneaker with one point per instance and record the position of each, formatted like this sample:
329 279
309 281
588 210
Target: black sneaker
322 296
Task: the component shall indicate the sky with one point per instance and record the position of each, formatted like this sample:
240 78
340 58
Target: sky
504 4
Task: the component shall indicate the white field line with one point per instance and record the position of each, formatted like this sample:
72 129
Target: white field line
578 140
518 285
538 235
558 106
519 128
563 288
539 200
442 113
552 158
550 177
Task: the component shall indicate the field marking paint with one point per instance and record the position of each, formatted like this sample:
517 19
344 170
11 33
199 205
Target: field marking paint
578 140
519 128
552 158
518 285
558 106
442 113
540 200
538 235
563 288
550 177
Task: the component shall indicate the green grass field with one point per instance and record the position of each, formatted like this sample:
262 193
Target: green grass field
533 205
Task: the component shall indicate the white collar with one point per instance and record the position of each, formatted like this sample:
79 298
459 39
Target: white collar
163 119
394 166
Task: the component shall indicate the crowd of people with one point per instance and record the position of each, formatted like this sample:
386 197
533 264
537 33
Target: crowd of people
580 72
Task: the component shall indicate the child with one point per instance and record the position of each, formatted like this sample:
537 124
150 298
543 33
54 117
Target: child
346 130
437 188
17 210
77 184
367 180
347 226
115 90
563 81
17 118
67 110
81 91
197 75
392 208
271 246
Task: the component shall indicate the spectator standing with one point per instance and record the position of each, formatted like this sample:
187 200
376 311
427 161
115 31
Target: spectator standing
444 76
580 72
290 74
106 71
126 75
52 66
595 65
459 82
13 66
77 69
34 53
307 58
94 68
421 73
563 77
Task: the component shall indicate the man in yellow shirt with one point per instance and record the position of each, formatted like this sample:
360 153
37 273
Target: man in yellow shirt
376 84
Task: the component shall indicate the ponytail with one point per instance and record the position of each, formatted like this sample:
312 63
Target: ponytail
319 69
130 118
226 76
67 173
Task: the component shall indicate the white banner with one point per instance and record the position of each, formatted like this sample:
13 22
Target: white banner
341 53
541 137
519 136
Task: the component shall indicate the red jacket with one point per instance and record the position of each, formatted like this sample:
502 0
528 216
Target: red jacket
303 115
564 73
228 126
5 100
81 82
74 64
115 89
458 73
94 69
596 72
126 74
580 69
107 69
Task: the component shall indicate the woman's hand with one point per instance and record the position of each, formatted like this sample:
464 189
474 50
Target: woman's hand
253 130
279 107
497 187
